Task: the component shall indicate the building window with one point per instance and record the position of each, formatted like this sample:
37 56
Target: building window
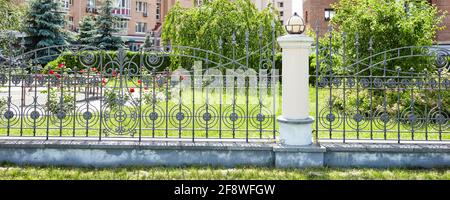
158 9
122 7
282 22
280 4
141 6
329 14
70 2
123 24
141 27
90 3
281 13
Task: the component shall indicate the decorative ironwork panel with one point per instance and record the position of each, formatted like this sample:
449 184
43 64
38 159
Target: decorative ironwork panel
400 94
164 93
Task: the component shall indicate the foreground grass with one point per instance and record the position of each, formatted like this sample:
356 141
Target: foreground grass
8 171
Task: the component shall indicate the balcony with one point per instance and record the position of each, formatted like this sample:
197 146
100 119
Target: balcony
122 12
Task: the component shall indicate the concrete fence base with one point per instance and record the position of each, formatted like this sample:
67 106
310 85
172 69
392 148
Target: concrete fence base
125 153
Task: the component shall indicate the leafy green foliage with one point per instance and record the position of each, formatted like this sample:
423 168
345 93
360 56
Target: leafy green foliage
88 31
106 30
11 16
216 20
388 24
54 104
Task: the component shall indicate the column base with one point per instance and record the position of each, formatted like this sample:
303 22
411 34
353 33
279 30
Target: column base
299 156
296 132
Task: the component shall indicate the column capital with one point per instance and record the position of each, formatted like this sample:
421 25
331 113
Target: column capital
295 41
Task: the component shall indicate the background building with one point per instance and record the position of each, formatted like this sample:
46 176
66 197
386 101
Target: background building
283 7
136 17
320 11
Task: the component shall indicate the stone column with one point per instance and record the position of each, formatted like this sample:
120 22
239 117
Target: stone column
295 122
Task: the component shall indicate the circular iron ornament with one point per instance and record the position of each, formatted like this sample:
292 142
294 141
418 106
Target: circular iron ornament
3 79
60 119
446 83
323 82
206 117
365 82
153 116
261 117
383 120
10 115
180 116
405 82
432 83
121 121
16 79
391 83
351 82
234 118
442 59
33 116
329 120
419 83
357 120
412 118
86 116
88 58
377 82
337 82
154 60
440 120
29 79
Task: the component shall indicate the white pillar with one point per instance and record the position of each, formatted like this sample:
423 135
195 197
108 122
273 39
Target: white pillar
295 122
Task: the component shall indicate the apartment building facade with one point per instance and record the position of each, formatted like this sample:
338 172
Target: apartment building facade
136 18
283 7
320 11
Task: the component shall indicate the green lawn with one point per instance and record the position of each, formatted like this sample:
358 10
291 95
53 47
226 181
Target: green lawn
8 171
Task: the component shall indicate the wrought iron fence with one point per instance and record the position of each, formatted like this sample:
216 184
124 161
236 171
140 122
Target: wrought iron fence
397 95
141 96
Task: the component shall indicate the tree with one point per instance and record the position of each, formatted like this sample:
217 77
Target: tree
217 20
148 42
106 30
88 31
389 24
45 24
11 16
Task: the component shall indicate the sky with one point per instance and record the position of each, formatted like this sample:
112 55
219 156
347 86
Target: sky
297 7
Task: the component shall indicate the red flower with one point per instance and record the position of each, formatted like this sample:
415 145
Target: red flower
58 76
146 88
61 65
94 69
131 90
51 72
104 81
139 81
114 73
82 71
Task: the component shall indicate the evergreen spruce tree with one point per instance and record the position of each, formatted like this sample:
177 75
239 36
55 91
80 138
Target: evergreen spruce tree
105 28
45 24
88 31
148 42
